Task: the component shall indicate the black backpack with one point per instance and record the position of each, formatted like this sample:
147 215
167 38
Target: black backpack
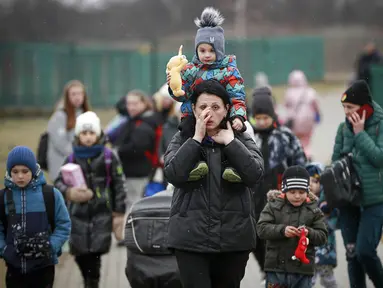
341 184
49 200
42 151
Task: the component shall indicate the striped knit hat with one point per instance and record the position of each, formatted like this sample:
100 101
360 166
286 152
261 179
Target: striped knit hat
295 177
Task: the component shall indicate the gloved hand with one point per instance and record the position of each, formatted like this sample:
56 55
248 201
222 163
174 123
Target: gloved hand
325 208
32 247
118 226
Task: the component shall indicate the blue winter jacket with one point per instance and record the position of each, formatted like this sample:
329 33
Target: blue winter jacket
326 254
31 214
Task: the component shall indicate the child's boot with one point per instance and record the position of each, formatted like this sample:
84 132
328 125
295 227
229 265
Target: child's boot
199 171
231 175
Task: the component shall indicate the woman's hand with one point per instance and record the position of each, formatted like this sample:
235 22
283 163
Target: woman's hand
200 126
224 136
357 122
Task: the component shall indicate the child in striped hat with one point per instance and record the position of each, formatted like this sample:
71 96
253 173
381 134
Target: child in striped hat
280 224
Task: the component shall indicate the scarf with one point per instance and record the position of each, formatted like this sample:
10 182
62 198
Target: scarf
84 152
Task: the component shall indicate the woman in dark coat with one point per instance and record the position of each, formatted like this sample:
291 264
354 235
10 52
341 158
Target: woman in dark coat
211 220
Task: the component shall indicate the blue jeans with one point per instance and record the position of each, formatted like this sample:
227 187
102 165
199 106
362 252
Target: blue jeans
361 231
288 280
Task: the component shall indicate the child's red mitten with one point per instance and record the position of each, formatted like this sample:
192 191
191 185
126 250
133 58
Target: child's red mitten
300 252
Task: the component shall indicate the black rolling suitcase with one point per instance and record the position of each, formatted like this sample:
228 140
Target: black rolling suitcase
150 263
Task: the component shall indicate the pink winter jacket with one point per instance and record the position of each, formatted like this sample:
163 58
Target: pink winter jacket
301 103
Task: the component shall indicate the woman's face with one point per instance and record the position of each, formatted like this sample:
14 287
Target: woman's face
135 105
350 108
263 121
218 110
76 96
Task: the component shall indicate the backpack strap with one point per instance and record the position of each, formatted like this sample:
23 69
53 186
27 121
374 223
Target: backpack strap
49 200
71 158
3 216
10 203
11 206
108 166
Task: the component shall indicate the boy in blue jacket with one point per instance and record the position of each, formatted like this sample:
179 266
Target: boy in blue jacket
29 245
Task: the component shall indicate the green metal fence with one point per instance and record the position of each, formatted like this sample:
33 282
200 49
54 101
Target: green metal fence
33 74
377 83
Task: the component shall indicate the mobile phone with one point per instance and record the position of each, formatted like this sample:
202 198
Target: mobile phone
366 107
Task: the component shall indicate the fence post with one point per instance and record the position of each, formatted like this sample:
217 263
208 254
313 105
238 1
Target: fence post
376 83
153 65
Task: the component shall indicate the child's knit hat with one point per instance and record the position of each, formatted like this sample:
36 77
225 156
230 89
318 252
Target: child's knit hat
210 31
295 177
21 155
88 121
263 102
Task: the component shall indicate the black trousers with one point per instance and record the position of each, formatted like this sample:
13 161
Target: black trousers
211 270
90 267
42 278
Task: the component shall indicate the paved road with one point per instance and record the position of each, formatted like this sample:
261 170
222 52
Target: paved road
323 140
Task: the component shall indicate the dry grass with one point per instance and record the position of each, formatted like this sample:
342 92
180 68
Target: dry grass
26 131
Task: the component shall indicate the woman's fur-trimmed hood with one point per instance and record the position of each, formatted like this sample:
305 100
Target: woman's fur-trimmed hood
276 195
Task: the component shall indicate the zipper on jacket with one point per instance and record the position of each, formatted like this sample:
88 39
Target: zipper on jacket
131 219
89 236
23 227
380 177
98 194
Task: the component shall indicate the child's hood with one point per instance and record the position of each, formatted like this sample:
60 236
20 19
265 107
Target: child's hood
227 61
37 180
315 167
276 195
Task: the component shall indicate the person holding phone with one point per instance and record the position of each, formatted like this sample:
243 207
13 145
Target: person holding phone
362 135
212 222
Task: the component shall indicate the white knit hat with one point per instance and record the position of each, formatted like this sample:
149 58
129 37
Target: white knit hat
88 121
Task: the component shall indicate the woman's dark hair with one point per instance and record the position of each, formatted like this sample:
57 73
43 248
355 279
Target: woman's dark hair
213 87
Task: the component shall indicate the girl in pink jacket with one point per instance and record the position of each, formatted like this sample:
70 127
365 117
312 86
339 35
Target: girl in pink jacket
302 109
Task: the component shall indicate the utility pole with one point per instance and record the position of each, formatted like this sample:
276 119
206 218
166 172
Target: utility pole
240 18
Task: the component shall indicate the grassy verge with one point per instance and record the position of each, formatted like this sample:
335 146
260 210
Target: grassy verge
19 129
26 131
